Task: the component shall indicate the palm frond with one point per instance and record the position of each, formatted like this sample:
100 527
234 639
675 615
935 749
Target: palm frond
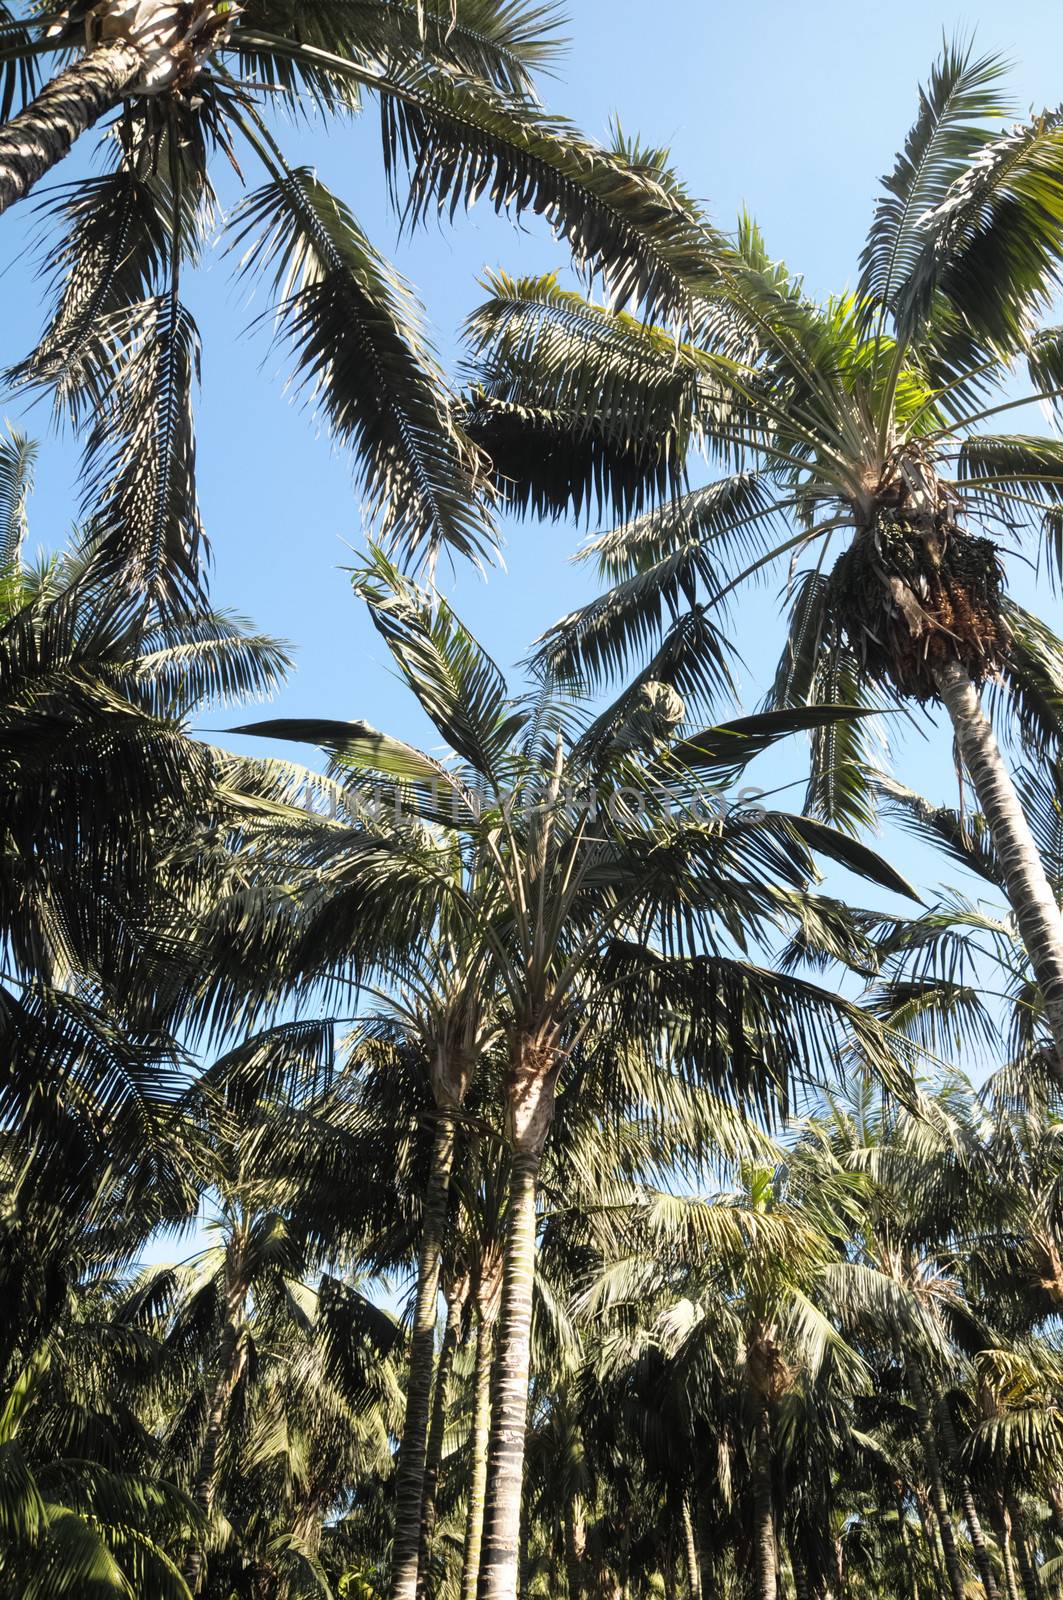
949 131
361 357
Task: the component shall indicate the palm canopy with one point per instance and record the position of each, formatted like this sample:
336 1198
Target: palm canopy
855 432
836 418
568 843
455 87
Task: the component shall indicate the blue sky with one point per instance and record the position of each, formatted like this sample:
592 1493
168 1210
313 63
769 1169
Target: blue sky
793 111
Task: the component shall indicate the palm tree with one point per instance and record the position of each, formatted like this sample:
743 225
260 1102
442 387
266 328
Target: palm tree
858 420
577 895
735 1282
188 86
252 1124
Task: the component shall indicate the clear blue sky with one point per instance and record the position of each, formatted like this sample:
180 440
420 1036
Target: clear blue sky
792 110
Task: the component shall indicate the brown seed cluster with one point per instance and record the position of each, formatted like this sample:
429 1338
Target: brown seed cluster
913 592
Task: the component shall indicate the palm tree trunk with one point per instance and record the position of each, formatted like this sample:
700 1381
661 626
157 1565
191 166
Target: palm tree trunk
1055 1501
409 1478
232 1357
938 1497
906 1549
800 1572
437 1430
499 1568
575 1545
41 135
983 1560
1029 892
930 1535
690 1549
1002 1526
481 1431
763 1508
1031 1582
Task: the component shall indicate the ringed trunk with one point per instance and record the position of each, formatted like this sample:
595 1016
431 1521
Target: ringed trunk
764 1551
690 1551
1031 1581
983 1560
481 1433
34 141
1029 892
499 1571
575 1545
533 1068
437 1429
409 1478
938 1497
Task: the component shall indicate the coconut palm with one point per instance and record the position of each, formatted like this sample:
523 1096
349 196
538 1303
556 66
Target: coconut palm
192 86
596 855
735 1281
854 429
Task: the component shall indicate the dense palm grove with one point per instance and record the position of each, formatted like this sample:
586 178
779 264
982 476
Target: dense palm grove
560 1191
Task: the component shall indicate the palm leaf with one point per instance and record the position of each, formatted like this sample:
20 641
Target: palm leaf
948 133
353 328
17 455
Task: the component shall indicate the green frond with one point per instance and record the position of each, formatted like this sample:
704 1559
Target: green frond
961 96
361 358
17 457
964 838
505 44
990 246
140 455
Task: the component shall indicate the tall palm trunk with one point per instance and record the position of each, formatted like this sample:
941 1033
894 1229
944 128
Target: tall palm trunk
575 1545
409 1478
481 1432
1055 1501
983 1560
939 1499
231 1360
41 135
931 1538
906 1549
455 1298
690 1550
1029 892
1031 1582
530 1084
764 1553
1002 1528
802 1590
505 1469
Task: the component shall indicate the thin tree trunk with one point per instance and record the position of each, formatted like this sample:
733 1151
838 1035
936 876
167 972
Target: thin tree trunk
437 1430
1031 1582
690 1550
710 1541
409 1478
800 1572
481 1432
1055 1501
1002 1526
232 1358
906 1549
763 1508
930 1535
1028 889
983 1560
501 1553
41 135
939 1499
575 1546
